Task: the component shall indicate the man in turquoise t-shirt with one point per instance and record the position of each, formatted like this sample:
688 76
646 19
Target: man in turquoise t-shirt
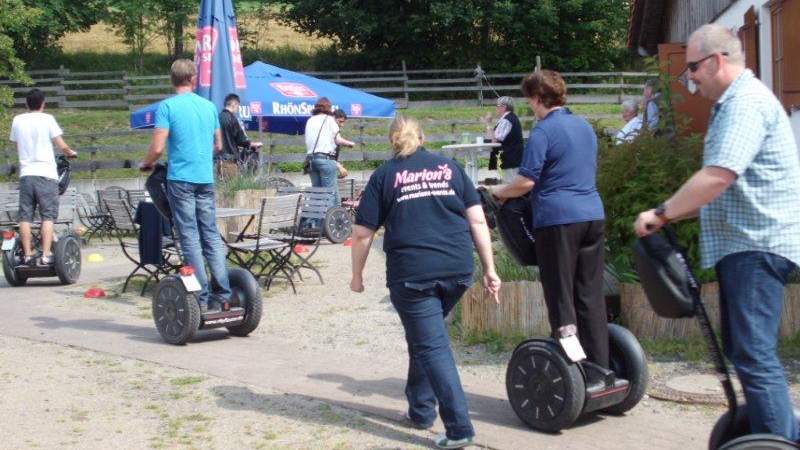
188 125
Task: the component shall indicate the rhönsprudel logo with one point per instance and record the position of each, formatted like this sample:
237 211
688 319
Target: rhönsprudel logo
291 89
355 109
148 117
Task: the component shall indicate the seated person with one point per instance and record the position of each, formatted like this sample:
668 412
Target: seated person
633 123
188 125
235 145
34 134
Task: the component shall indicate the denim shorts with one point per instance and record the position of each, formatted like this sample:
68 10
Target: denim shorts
38 191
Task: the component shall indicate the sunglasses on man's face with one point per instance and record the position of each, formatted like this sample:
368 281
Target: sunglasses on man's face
692 66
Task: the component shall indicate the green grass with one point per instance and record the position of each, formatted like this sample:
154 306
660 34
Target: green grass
184 381
695 350
89 128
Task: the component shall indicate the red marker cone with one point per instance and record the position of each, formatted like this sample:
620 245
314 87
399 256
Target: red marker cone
299 248
348 242
94 292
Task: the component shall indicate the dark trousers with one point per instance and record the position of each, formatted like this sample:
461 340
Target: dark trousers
432 372
571 269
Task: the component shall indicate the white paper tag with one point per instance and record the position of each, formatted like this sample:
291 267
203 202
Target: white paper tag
190 283
572 347
8 244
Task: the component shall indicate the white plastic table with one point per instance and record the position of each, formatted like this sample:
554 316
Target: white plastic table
470 152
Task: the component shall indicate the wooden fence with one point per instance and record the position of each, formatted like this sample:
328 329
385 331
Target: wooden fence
409 88
91 147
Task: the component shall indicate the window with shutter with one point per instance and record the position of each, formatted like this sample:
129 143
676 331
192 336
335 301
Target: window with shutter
785 15
748 34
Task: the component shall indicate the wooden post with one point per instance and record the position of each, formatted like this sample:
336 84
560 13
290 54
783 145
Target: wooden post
621 86
479 83
361 137
405 81
538 64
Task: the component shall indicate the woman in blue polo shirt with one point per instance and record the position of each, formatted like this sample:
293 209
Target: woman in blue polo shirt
560 166
432 216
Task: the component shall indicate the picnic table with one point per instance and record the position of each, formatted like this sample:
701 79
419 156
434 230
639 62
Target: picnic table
470 152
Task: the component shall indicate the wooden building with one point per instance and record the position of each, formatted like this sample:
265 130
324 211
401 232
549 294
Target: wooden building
770 33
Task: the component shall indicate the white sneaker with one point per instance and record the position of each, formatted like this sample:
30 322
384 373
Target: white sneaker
442 441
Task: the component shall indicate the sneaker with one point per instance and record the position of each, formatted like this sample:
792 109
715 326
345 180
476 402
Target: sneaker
414 424
46 260
442 441
28 260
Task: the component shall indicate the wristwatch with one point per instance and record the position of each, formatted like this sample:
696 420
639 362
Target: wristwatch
661 212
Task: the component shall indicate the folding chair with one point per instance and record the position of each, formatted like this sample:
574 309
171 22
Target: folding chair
92 216
262 255
124 226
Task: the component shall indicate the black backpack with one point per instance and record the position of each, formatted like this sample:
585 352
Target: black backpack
665 275
513 220
156 186
62 166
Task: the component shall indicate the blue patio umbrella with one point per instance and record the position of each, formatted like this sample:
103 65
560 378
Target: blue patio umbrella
217 56
283 99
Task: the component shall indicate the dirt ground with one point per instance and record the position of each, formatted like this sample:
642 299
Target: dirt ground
55 396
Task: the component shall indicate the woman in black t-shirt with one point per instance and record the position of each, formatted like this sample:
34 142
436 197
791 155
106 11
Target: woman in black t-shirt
432 216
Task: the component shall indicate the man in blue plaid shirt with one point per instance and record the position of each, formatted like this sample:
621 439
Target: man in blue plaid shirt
748 197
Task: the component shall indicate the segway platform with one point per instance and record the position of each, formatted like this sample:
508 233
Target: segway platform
233 316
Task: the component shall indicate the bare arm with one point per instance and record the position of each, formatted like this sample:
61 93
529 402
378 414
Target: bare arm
339 140
483 243
362 240
157 143
58 141
702 188
217 140
518 187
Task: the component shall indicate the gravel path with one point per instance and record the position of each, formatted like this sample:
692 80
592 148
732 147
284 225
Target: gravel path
59 397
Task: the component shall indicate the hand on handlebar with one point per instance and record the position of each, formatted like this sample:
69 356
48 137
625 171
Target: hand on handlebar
145 167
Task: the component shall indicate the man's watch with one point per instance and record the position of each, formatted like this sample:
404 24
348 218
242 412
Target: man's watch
661 212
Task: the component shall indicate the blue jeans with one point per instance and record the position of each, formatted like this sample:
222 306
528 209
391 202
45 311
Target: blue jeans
323 174
751 298
432 373
194 216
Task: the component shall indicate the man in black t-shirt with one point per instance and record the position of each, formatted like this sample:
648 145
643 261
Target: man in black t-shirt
235 145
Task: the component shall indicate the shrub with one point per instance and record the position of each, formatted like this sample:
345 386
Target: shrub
637 176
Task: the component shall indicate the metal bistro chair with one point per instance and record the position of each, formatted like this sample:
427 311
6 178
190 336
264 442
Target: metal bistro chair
123 226
334 221
262 255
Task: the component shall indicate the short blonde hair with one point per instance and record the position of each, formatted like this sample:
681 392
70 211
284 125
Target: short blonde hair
181 72
405 135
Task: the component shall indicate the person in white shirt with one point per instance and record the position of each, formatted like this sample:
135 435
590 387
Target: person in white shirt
34 134
633 122
322 137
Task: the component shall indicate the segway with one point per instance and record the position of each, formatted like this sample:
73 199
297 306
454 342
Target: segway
176 310
674 293
66 249
546 389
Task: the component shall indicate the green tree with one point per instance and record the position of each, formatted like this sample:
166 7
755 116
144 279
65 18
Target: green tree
503 34
53 20
14 15
175 17
137 22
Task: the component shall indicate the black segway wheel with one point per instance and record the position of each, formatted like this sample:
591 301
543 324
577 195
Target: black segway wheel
759 442
175 311
545 390
338 224
247 295
628 361
11 259
67 259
